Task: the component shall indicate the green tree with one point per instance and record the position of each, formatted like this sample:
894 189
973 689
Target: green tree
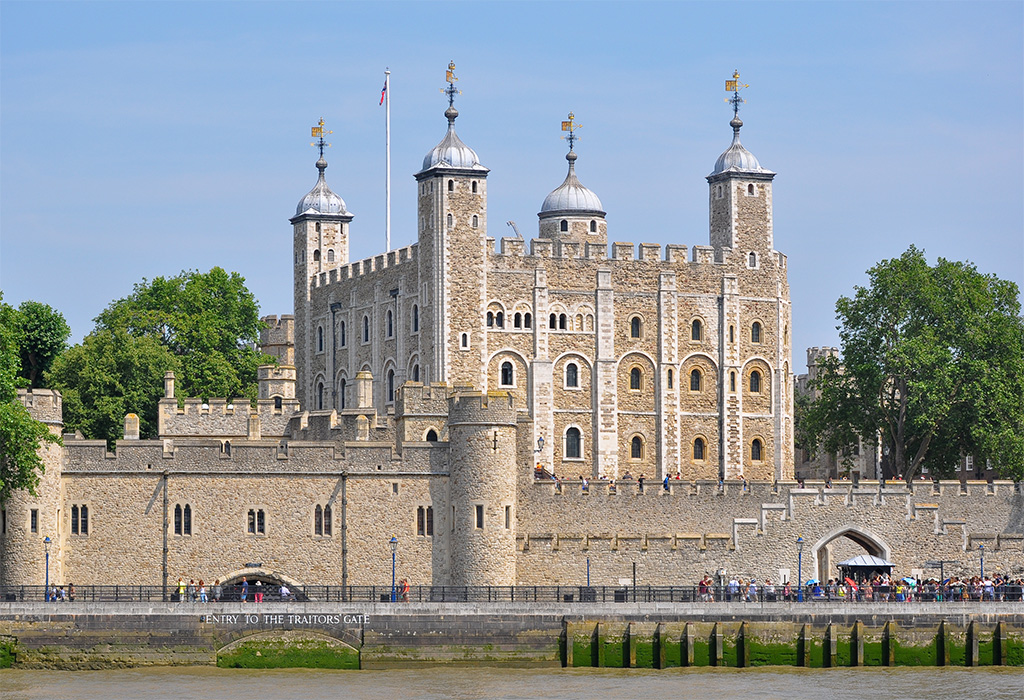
43 336
209 321
932 360
21 436
111 374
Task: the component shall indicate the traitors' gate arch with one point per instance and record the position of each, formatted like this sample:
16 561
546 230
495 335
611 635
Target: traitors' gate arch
821 552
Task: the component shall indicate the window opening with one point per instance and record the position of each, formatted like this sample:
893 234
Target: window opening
696 330
755 450
635 379
698 449
572 443
507 374
755 332
563 225
755 382
479 517
572 375
634 327
695 380
431 435
636 448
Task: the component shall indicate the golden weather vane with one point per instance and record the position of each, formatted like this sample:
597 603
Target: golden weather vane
734 86
450 78
570 125
318 133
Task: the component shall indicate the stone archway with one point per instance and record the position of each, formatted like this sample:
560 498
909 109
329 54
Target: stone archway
823 553
271 580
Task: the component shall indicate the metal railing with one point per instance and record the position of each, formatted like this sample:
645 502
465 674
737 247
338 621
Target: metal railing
514 594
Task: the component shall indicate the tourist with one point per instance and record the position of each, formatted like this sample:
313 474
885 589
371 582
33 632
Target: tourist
285 593
181 589
71 592
191 590
769 590
752 591
403 590
258 591
665 483
202 592
640 483
245 589
218 591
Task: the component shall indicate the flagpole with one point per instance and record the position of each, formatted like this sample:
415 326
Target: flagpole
387 144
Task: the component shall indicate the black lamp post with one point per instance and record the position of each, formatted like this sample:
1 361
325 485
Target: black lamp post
800 569
394 552
46 589
981 548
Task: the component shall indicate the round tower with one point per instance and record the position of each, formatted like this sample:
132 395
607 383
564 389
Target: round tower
482 439
26 520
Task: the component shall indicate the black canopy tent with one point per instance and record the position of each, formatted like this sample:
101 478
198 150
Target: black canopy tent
863 567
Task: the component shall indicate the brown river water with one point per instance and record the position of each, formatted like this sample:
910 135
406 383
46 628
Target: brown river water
203 683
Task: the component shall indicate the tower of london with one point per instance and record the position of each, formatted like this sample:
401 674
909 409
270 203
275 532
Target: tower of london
458 395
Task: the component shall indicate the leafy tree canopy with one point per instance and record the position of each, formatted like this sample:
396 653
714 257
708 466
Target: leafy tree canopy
209 321
932 360
111 374
20 435
43 336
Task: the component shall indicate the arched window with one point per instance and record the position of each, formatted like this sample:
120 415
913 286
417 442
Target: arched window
366 329
696 330
670 379
553 322
476 221
499 319
391 324
507 374
465 341
490 319
750 189
431 435
451 185
391 385
572 375
579 322
718 192
573 444
316 256
635 326
561 322
319 396
341 393
415 318
593 226
698 449
755 382
695 380
177 519
636 448
320 339
450 221
517 320
474 186
732 381
563 226
278 403
186 520
341 334
636 379
327 521
755 332
330 255
752 260
318 520
415 373
755 450
732 334
528 321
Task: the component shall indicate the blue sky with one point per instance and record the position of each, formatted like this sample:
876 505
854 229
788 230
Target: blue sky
138 139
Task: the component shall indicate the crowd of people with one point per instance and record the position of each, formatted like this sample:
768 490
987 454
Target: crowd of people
197 592
879 588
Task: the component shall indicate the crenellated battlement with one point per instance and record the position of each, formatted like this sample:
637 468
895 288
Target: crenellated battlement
367 266
496 407
44 405
512 250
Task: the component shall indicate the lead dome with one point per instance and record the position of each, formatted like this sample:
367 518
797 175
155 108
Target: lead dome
452 152
321 199
736 158
571 195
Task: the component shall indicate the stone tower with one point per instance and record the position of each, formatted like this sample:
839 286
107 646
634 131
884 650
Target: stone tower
28 519
482 436
452 198
320 233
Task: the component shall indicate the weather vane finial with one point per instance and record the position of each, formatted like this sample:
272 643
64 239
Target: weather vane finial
734 86
451 90
570 125
319 133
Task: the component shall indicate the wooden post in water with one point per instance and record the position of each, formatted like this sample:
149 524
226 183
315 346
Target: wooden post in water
686 652
888 644
829 648
857 644
971 652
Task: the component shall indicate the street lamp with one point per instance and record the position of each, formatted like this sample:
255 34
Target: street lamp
981 548
800 569
394 552
46 589
540 445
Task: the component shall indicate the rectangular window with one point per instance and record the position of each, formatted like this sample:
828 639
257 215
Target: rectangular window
394 488
479 517
256 522
74 520
508 517
430 521
33 521
421 521
3 521
79 520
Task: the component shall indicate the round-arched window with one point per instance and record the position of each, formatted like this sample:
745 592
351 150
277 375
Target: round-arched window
507 374
572 375
573 444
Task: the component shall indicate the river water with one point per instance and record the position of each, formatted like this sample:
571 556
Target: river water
204 683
